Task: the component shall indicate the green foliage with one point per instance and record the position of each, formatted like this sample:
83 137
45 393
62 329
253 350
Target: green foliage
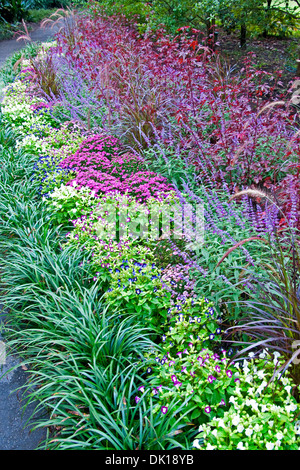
176 169
37 15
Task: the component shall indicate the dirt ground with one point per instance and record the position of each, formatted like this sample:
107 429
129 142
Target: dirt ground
270 54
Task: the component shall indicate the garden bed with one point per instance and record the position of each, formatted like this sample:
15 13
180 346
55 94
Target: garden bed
134 329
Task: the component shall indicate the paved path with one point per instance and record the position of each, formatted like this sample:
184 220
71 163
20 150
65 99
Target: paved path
15 431
15 424
8 47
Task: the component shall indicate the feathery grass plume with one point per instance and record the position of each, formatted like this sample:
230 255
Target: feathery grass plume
23 35
237 245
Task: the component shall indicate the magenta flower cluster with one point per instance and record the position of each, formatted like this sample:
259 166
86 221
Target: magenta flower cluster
99 166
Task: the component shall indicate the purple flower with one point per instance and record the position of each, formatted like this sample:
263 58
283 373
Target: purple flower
218 368
137 399
222 403
141 388
201 360
211 378
164 409
174 378
207 409
179 354
177 384
229 373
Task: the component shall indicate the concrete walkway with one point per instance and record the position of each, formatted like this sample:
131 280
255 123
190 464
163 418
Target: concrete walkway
15 429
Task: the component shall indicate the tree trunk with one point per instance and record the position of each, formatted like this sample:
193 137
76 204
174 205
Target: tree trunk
243 39
269 3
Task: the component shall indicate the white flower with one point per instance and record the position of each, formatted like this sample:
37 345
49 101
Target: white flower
297 427
260 374
279 435
196 444
271 423
232 400
210 447
214 432
291 407
288 388
263 354
221 423
249 379
251 354
240 446
240 428
249 432
252 403
236 419
269 445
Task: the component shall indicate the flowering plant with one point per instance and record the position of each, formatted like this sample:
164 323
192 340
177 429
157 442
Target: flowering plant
262 415
136 288
188 368
67 203
21 114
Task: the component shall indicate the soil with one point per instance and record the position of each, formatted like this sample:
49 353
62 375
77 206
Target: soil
270 54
